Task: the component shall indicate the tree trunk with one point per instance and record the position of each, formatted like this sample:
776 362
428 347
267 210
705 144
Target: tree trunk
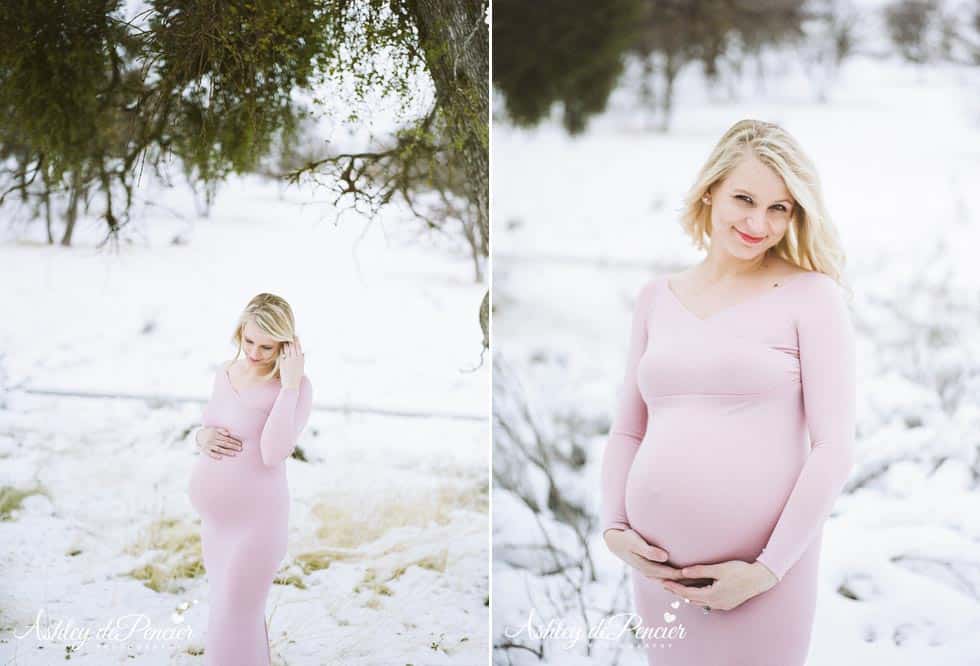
476 249
47 211
648 94
71 214
671 68
485 318
455 39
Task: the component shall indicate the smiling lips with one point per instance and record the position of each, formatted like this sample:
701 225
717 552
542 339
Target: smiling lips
750 239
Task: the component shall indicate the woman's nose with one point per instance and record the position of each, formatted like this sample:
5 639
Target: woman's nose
756 224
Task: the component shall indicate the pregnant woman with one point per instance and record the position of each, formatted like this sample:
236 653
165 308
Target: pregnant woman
259 404
734 432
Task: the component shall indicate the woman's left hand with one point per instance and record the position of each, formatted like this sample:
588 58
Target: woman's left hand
735 582
291 363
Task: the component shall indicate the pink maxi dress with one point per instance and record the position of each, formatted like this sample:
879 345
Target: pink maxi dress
734 435
243 502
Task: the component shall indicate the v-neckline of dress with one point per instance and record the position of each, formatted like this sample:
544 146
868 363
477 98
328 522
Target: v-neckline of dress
731 306
231 384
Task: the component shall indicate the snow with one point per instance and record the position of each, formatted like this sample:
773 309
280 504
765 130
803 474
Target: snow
395 507
580 223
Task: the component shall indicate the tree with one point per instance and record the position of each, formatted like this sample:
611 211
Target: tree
446 151
225 73
674 34
909 23
90 100
66 95
567 52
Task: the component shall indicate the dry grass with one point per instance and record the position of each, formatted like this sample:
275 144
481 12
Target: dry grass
176 555
376 578
286 578
322 558
346 522
350 521
12 499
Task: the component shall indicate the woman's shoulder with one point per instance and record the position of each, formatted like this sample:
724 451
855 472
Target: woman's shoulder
819 299
786 271
817 284
221 369
644 295
677 277
652 283
657 283
644 292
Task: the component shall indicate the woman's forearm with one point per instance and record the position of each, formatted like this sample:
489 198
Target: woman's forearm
286 420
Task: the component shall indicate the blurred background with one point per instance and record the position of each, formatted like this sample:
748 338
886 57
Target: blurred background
160 164
603 114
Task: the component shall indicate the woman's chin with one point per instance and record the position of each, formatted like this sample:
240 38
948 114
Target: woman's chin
743 251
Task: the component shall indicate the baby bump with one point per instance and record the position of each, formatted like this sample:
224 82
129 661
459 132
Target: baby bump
708 485
231 490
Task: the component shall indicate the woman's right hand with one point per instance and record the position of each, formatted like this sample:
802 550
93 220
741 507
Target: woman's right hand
218 442
631 548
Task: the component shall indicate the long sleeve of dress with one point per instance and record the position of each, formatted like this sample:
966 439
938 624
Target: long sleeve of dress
629 423
286 421
206 410
828 376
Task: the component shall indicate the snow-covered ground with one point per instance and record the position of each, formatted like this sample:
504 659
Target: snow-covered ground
580 223
388 549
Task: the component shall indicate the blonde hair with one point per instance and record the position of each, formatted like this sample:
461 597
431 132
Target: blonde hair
274 317
811 241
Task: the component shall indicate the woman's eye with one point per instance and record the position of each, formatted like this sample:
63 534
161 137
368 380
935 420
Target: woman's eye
780 207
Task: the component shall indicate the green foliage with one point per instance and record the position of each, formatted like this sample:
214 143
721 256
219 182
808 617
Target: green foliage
719 27
90 100
59 65
67 98
572 51
382 46
567 51
229 70
376 49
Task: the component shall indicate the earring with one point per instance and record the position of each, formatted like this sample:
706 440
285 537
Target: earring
706 200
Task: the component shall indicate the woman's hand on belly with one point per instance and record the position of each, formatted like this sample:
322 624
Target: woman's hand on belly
735 582
633 549
218 442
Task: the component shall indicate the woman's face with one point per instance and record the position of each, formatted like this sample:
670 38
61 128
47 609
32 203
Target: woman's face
750 209
259 348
